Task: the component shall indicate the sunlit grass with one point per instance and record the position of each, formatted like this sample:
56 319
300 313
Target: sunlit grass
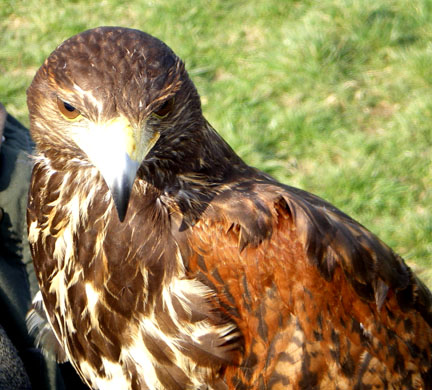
331 96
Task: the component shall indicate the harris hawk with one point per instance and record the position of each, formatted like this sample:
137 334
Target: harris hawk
165 262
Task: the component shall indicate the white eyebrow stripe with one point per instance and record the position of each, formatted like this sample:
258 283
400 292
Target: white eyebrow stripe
88 94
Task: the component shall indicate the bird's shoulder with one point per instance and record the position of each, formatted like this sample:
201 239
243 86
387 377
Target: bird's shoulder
302 280
260 221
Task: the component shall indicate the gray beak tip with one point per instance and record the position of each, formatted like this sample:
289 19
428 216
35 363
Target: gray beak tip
121 194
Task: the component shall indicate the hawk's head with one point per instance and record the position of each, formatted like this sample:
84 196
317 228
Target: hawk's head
115 97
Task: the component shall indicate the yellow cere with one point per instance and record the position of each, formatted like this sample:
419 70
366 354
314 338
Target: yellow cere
121 124
137 141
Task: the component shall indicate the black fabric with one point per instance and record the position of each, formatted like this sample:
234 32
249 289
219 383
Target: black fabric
12 372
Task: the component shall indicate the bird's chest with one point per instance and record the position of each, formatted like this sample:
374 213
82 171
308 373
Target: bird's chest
79 245
86 260
124 325
117 296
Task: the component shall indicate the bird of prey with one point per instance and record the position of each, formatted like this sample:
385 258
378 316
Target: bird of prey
166 262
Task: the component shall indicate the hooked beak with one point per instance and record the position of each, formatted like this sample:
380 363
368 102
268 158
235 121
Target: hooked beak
120 185
117 150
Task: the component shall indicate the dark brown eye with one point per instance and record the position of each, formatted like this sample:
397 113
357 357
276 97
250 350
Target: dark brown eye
67 110
165 108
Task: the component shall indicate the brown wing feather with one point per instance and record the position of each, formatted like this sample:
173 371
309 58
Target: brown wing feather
320 300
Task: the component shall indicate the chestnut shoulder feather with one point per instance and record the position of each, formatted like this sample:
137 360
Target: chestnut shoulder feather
330 238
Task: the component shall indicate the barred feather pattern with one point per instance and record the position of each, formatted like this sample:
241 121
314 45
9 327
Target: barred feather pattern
40 328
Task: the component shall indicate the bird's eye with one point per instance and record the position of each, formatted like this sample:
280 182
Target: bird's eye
67 110
163 110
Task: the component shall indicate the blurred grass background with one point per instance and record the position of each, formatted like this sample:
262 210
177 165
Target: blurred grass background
331 96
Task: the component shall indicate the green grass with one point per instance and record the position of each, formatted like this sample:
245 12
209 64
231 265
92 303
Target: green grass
333 96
